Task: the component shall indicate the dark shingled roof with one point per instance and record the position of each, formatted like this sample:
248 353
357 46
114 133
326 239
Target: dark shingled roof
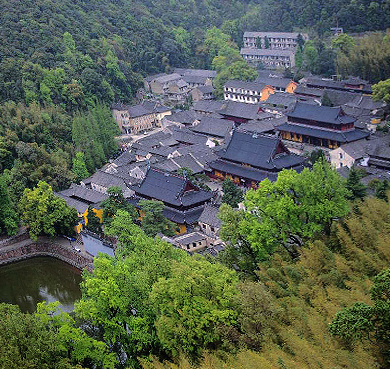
274 81
379 148
243 172
209 216
259 150
84 194
171 189
340 136
206 89
208 106
319 113
213 127
240 110
183 117
124 159
262 126
307 91
192 78
196 72
138 111
281 98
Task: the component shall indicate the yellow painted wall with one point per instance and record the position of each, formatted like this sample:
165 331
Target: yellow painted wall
265 92
98 213
291 87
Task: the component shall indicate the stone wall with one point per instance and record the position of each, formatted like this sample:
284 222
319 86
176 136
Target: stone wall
58 251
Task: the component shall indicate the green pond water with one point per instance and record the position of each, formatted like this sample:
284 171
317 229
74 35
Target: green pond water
28 282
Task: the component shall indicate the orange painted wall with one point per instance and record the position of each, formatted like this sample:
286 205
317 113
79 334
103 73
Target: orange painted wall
266 91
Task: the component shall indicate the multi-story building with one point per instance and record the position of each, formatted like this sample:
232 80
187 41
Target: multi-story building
247 92
249 158
320 126
276 40
269 58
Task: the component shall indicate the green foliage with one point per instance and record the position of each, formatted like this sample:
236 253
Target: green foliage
325 100
45 340
79 168
232 194
129 299
354 186
381 91
381 190
153 220
293 209
93 221
266 42
317 155
94 133
8 217
116 201
192 304
46 214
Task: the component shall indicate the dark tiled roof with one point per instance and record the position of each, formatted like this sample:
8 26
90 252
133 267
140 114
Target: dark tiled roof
183 117
80 206
259 126
267 52
138 111
186 136
304 90
105 180
185 161
124 159
274 82
243 172
206 89
339 97
196 72
345 136
84 194
154 76
281 98
355 149
191 78
155 107
331 84
320 113
208 106
167 78
379 148
240 110
188 238
274 34
258 151
213 127
209 216
170 189
188 217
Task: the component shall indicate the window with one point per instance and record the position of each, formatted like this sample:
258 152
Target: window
194 244
188 247
212 229
203 225
341 155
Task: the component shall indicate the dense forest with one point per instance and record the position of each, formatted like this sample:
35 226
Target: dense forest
303 294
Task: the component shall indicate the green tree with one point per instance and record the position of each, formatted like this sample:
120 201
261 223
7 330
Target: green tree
79 168
357 190
266 43
153 220
381 91
8 217
293 209
317 155
47 339
192 304
325 100
116 201
381 190
232 194
361 320
93 221
46 214
259 43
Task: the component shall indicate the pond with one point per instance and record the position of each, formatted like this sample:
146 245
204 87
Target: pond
28 282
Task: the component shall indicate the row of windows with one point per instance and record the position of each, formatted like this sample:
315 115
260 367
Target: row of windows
241 98
242 91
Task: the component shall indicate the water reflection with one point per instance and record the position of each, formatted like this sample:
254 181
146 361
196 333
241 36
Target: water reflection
39 279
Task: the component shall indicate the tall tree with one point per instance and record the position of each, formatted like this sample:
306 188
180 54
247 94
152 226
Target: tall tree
356 188
93 221
46 214
79 168
8 217
232 194
153 220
